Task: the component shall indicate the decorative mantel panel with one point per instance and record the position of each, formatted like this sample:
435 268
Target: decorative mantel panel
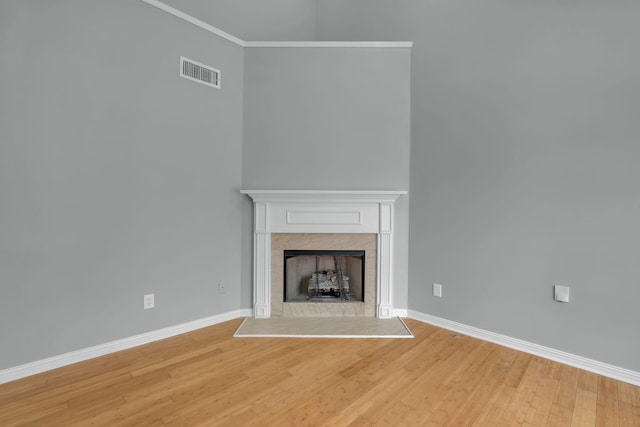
318 211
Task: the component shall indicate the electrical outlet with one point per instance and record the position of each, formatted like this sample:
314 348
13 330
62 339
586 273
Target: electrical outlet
222 289
149 301
561 293
437 290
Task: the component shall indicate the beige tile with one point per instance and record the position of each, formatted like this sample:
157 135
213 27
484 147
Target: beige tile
324 309
323 241
325 326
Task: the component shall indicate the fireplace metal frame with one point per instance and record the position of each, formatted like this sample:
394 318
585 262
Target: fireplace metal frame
292 253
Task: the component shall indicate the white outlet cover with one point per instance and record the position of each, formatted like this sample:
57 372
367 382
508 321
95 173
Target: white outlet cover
561 293
149 301
437 290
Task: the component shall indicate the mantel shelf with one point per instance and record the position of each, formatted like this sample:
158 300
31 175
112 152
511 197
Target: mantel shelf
338 196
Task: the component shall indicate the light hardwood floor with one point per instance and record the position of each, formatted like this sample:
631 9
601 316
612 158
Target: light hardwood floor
208 378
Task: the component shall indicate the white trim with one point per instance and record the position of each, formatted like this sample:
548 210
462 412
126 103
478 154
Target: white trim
286 44
271 211
600 368
400 312
65 359
580 362
303 44
195 21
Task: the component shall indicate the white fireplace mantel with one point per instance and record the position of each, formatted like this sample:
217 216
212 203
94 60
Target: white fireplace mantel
323 211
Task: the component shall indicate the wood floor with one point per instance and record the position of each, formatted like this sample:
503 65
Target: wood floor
209 378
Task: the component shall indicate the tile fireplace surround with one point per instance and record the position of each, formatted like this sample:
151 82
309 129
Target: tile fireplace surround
322 216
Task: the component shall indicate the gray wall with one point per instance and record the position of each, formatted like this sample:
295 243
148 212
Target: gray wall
255 19
330 119
117 177
524 163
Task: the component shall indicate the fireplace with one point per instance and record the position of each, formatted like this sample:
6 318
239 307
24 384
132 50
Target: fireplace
323 276
316 220
323 243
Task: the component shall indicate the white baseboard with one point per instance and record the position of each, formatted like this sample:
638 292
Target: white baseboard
400 312
580 362
54 362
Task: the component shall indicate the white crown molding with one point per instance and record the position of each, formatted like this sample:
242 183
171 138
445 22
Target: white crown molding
65 359
283 44
334 44
600 368
195 21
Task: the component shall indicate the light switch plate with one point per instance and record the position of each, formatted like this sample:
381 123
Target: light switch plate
561 293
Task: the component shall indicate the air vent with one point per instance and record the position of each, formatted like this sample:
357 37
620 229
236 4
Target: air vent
199 73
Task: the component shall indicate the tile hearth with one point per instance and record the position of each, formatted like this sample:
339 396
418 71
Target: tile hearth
324 327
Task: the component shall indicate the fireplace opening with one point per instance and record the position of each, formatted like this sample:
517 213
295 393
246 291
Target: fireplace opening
323 276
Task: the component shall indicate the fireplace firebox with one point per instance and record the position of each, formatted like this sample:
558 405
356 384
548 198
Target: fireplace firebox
324 276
